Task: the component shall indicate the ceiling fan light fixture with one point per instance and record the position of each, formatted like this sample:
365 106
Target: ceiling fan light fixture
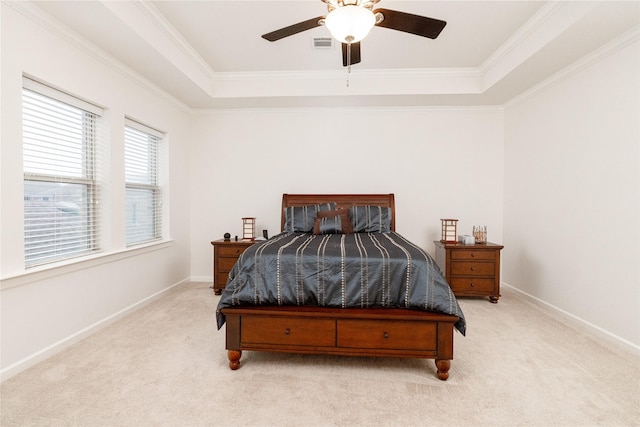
350 23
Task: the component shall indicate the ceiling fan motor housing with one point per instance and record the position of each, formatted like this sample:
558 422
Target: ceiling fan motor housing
335 4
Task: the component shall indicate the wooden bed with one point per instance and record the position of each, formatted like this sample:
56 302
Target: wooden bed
341 331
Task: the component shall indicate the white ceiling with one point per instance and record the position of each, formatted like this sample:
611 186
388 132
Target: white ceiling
209 54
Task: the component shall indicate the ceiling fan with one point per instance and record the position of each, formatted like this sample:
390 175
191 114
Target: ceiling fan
349 21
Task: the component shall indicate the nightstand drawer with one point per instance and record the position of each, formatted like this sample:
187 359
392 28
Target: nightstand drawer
297 331
230 251
471 284
225 264
222 278
383 334
472 268
473 255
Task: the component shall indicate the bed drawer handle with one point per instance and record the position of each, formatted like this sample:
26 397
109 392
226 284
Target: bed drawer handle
386 335
287 331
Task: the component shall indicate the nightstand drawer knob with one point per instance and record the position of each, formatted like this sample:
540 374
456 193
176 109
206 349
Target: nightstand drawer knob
386 335
473 269
471 284
287 331
473 255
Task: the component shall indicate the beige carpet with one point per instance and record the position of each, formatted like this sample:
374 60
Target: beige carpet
165 365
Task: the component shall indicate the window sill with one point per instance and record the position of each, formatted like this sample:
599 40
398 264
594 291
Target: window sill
65 267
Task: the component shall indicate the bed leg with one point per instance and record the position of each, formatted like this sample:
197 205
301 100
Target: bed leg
443 368
234 359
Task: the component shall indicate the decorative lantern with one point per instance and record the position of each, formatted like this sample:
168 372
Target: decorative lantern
248 229
449 227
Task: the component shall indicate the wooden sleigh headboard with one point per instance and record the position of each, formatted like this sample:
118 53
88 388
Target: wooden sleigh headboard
342 200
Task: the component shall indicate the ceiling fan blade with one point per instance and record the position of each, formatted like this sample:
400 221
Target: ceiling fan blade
409 23
293 29
355 54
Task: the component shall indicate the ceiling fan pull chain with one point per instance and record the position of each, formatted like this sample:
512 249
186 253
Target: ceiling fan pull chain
348 62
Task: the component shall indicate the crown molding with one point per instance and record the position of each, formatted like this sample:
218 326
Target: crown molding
174 36
208 112
518 38
361 82
550 21
417 73
46 21
627 39
142 17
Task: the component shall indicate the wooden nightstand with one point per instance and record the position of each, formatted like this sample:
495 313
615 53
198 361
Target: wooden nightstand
471 270
225 255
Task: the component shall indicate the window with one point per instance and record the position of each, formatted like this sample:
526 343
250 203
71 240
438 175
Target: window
61 192
143 190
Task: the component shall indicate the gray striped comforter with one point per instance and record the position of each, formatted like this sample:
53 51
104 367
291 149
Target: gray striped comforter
339 270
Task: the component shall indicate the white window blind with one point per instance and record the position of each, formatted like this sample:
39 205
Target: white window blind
60 187
143 189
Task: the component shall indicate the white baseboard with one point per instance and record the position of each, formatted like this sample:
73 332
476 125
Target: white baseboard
64 343
588 327
202 279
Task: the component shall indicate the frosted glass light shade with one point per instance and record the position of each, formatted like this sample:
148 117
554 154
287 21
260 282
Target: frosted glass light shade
350 24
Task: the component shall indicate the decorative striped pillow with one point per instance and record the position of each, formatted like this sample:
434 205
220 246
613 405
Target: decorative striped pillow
371 219
301 218
333 222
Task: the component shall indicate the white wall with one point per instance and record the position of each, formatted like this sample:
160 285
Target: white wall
440 163
572 194
44 311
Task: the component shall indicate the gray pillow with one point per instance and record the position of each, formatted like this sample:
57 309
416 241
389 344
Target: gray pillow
301 218
370 219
